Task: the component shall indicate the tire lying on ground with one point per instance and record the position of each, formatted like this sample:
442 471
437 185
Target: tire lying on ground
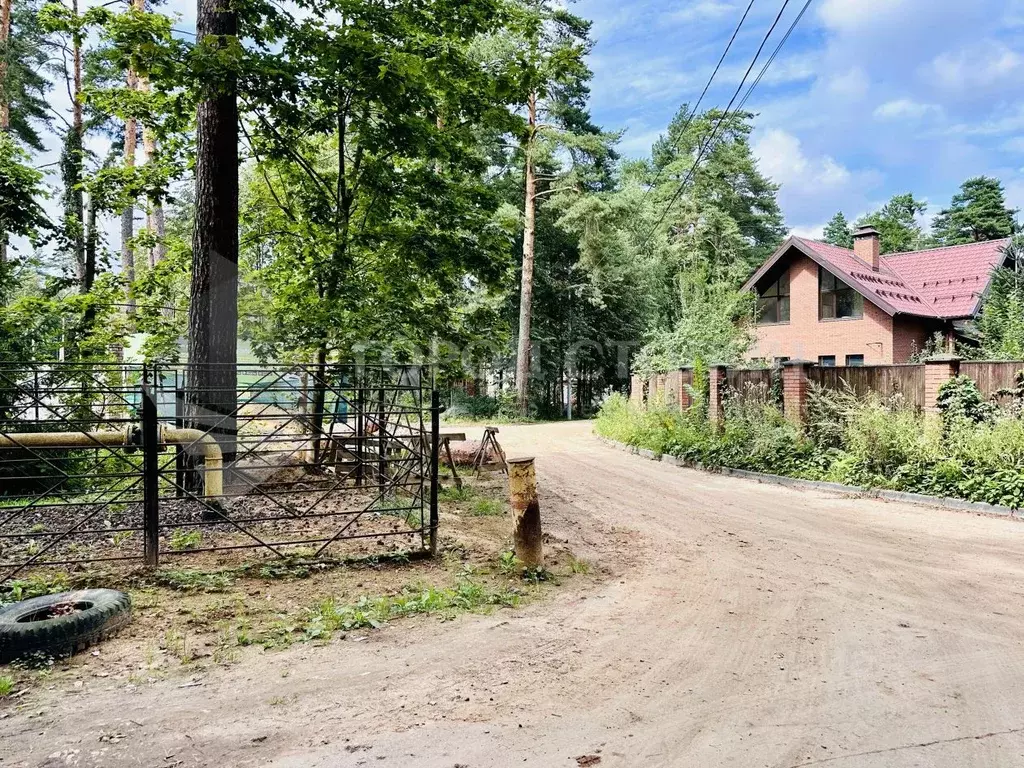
58 625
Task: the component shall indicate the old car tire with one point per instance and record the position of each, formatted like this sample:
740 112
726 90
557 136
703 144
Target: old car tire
59 625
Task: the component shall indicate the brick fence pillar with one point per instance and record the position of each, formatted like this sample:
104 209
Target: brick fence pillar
685 380
937 371
794 389
673 389
636 391
716 392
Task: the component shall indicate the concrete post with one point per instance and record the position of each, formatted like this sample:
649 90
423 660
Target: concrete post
937 371
522 487
716 393
795 386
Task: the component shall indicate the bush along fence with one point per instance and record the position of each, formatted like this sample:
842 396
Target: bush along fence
931 429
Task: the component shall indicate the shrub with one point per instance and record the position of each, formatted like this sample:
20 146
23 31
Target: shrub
974 452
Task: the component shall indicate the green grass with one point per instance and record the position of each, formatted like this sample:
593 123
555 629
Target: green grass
321 621
195 581
487 508
182 539
579 566
451 493
6 686
34 586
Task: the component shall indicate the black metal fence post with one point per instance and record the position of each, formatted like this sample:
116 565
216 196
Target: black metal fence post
382 445
435 439
180 462
150 478
360 432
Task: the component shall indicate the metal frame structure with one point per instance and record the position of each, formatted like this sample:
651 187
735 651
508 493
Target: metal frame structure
113 462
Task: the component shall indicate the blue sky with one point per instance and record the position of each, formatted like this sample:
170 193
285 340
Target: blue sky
869 97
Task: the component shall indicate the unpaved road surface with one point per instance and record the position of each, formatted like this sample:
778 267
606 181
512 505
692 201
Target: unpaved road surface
739 625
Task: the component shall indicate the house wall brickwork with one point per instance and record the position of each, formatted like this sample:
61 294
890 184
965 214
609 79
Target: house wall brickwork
880 338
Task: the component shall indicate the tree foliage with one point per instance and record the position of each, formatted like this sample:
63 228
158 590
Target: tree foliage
838 231
897 223
978 212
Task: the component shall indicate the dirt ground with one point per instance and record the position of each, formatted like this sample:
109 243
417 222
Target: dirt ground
737 625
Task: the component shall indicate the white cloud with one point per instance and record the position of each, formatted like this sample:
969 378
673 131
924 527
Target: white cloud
983 65
847 15
811 232
852 84
701 11
781 157
638 142
906 109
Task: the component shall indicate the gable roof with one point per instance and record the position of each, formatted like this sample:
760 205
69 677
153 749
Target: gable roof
945 283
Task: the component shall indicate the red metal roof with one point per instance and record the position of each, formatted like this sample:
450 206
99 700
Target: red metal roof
945 283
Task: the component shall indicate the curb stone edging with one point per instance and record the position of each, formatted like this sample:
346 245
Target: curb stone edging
856 491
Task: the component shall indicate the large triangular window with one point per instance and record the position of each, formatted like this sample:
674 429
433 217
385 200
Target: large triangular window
773 302
837 300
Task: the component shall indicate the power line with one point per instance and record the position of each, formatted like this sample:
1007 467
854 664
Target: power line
707 85
775 53
707 144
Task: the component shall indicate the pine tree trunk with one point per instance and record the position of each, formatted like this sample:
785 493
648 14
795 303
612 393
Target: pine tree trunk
155 219
128 215
213 312
77 126
5 105
526 286
91 240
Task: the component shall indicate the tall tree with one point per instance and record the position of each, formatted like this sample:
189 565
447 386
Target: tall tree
978 212
838 231
213 311
68 28
549 44
1001 321
23 81
897 223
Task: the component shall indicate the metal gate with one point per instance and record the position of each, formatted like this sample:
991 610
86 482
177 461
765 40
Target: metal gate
113 462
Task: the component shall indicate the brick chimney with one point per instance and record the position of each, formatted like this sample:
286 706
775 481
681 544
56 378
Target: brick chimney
867 246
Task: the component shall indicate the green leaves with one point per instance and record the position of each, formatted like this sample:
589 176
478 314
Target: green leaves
20 191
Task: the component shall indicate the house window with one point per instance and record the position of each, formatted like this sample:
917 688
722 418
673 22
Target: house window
773 303
855 361
827 361
837 300
779 361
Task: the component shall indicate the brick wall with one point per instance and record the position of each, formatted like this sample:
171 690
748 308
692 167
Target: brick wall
716 387
937 371
805 337
794 390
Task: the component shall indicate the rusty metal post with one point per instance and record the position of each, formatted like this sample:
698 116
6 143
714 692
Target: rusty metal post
522 486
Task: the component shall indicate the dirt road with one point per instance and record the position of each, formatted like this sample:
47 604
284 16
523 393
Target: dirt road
740 625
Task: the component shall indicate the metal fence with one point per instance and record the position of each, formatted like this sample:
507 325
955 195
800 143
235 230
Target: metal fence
121 463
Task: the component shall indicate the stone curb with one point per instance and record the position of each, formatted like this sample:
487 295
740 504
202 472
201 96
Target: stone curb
820 485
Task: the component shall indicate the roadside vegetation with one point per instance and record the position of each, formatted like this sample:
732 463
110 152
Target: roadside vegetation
187 619
974 450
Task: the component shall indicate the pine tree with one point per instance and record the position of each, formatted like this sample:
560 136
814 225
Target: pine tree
978 212
897 224
838 231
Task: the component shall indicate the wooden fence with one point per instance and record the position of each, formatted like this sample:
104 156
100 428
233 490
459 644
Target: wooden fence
883 379
992 376
739 379
886 380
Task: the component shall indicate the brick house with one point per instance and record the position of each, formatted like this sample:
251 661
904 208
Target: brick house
835 306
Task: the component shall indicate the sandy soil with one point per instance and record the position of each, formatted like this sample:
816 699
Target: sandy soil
742 625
